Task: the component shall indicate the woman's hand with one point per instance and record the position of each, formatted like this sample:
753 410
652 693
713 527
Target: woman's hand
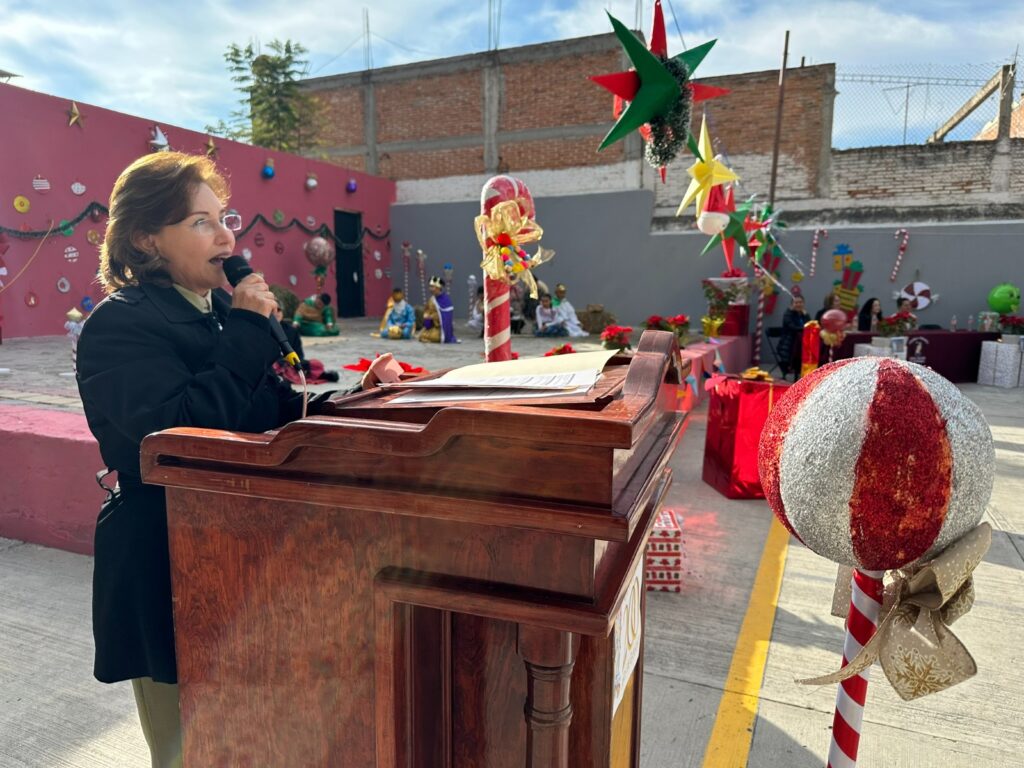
384 370
253 294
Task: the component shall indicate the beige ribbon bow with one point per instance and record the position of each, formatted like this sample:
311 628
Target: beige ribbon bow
506 219
918 653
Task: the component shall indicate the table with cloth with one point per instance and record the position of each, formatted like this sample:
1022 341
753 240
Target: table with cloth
952 354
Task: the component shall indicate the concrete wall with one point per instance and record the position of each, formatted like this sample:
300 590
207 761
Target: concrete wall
607 254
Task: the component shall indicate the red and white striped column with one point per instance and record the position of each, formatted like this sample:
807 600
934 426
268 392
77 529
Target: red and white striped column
497 321
861 622
755 358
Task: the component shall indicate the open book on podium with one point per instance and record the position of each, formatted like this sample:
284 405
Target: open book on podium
424 583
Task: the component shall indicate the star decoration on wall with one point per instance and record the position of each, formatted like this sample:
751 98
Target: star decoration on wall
159 141
705 173
74 116
211 148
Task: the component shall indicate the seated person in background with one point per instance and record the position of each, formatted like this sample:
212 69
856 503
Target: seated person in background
476 312
530 304
793 322
869 315
438 315
399 319
549 319
314 369
832 301
517 298
903 308
567 312
314 317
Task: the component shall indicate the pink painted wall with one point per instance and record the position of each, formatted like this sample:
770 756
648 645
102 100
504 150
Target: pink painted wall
36 140
48 463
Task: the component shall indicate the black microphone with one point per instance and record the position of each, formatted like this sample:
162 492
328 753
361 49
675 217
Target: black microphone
236 269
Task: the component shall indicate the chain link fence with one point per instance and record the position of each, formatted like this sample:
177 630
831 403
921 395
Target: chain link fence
905 104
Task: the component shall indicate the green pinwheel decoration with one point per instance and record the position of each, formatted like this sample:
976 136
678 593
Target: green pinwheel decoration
658 91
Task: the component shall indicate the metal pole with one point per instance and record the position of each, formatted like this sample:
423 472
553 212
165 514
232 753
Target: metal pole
778 121
906 113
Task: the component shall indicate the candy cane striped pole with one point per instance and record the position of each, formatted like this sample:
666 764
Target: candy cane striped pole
899 254
819 233
406 249
497 321
861 622
759 324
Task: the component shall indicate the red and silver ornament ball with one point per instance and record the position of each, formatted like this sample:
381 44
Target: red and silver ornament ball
875 463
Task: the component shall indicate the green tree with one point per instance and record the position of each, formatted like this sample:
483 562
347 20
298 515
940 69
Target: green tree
275 112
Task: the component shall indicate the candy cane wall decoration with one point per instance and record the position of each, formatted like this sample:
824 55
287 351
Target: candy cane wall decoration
899 255
819 233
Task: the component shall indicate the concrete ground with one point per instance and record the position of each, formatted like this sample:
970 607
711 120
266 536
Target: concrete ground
719 684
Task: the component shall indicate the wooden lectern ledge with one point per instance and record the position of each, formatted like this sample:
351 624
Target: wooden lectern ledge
421 585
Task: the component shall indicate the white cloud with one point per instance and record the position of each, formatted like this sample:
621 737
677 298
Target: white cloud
165 61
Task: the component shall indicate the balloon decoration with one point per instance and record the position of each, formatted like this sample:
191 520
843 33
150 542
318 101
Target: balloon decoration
833 329
320 254
880 464
1004 299
658 90
311 181
268 171
351 186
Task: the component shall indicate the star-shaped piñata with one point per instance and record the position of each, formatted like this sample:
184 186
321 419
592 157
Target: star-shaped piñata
658 90
705 173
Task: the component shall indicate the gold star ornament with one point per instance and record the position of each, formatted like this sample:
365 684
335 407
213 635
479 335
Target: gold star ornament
74 115
211 148
705 173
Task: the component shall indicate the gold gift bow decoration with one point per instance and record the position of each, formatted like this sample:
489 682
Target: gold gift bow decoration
917 651
507 219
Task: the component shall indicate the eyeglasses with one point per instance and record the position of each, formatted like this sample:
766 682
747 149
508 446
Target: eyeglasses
230 221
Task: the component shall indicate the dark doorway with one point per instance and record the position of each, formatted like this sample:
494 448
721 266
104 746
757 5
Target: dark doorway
348 229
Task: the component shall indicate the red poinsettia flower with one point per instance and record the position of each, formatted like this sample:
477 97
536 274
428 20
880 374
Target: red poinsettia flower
565 349
654 321
679 320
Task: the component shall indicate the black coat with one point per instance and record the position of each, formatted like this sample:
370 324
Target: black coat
790 342
148 360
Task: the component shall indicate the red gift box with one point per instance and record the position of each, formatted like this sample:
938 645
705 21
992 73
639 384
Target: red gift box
663 557
737 321
736 414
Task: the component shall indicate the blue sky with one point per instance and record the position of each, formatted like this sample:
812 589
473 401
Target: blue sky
164 61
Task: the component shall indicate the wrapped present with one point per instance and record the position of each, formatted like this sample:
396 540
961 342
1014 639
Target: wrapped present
1001 365
736 414
663 579
870 350
663 557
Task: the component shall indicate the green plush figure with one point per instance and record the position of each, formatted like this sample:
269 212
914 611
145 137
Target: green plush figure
1004 299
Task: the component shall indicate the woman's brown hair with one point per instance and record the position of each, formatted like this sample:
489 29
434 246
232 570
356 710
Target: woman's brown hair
154 191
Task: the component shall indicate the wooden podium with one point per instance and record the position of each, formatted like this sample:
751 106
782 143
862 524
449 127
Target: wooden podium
421 586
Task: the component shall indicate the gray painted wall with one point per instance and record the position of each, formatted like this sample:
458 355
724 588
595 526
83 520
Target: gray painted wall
607 255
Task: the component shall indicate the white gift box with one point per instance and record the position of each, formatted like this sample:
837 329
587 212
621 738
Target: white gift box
1000 365
870 350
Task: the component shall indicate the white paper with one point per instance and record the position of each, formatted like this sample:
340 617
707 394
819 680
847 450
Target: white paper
475 393
558 372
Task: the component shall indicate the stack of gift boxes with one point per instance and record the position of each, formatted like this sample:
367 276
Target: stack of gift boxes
1002 363
664 557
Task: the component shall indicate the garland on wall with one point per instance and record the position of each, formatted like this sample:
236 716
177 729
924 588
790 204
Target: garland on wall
96 209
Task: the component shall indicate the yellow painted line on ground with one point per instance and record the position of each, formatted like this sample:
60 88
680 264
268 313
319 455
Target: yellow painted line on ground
729 745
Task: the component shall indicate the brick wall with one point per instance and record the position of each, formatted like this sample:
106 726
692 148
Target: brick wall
541 112
940 171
